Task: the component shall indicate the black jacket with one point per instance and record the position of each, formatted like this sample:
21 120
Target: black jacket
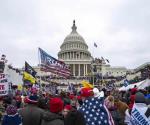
49 118
31 115
75 118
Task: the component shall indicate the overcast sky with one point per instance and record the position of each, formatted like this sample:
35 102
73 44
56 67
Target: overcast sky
121 29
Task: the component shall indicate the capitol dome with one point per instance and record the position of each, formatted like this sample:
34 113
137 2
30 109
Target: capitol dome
74 36
74 52
74 43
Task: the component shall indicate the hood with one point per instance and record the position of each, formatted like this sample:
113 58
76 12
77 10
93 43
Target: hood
97 93
49 116
139 98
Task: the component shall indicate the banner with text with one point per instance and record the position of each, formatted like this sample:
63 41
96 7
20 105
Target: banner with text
138 116
4 84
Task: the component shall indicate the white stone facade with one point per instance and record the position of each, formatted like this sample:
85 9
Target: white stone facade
74 52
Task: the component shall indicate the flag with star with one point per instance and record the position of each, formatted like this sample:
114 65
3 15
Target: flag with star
95 112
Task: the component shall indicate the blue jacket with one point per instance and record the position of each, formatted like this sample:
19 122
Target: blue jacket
12 120
147 96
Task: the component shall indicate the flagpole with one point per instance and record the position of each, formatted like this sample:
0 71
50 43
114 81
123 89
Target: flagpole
95 45
39 67
93 63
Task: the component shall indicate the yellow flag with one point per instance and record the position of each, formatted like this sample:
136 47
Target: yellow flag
20 87
29 77
86 84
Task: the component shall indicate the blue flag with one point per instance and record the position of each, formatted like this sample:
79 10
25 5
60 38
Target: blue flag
126 82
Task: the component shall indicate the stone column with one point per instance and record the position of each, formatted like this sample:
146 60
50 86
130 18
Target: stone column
84 69
75 55
79 70
73 69
68 55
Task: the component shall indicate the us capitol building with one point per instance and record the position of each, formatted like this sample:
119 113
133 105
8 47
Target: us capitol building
74 52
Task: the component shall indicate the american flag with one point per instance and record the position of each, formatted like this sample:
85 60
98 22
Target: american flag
50 64
95 112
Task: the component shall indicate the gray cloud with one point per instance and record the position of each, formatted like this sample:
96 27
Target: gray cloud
120 28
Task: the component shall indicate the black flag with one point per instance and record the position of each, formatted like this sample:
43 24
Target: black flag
29 69
107 60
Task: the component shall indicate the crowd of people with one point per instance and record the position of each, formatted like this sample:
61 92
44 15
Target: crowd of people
89 106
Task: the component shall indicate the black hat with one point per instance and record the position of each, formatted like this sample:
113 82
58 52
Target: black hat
139 98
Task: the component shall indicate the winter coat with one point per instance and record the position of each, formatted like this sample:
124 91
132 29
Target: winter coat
74 117
50 118
132 99
121 107
12 120
117 116
31 115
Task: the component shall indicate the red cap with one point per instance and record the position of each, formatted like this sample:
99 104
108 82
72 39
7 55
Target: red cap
71 96
86 92
68 107
79 97
56 105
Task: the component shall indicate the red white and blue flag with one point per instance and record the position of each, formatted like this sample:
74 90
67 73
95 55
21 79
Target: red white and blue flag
50 64
95 112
